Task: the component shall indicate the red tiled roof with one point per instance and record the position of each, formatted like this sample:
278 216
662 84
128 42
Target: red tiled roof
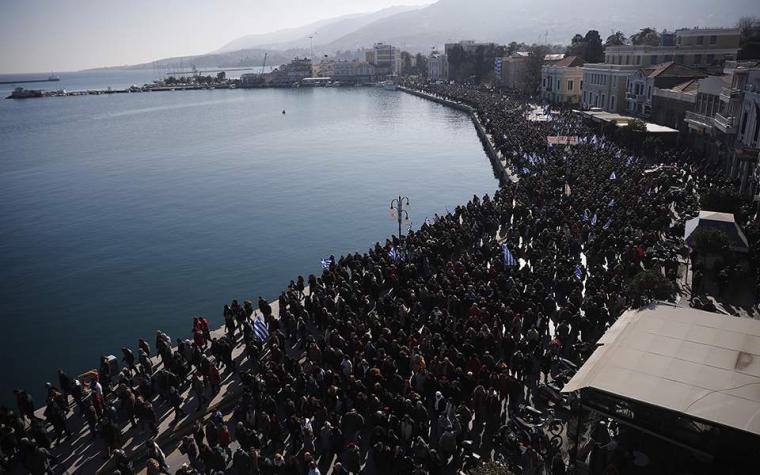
570 61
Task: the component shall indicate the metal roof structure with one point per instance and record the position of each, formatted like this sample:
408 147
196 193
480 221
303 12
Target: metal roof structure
693 362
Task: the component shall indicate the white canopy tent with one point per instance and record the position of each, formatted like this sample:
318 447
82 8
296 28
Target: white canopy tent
720 221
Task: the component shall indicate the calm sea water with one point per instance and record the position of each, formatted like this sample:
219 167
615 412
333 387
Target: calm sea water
124 214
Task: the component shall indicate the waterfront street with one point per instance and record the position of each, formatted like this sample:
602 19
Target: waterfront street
437 343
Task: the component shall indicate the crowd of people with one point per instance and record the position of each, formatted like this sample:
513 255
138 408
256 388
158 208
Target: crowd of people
409 358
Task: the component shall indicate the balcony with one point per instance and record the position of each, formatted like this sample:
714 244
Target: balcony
727 125
728 93
699 121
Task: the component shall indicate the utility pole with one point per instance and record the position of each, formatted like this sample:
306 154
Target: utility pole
398 205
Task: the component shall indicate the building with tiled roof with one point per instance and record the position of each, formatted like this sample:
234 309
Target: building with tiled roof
561 80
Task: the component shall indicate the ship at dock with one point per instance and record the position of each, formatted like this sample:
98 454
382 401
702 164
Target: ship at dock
21 93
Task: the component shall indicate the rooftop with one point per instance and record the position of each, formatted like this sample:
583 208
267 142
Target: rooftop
693 362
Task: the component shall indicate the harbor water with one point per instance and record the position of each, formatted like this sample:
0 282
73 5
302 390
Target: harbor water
124 214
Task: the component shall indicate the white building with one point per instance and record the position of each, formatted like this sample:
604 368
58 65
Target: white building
438 66
604 86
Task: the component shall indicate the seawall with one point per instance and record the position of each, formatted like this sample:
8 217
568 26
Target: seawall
500 165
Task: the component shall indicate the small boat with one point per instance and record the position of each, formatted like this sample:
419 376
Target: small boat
388 85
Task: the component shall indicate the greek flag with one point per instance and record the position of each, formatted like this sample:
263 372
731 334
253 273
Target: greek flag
393 254
326 263
578 272
260 329
612 203
613 176
584 216
593 220
607 224
509 260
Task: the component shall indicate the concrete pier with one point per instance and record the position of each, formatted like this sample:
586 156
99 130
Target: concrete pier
499 162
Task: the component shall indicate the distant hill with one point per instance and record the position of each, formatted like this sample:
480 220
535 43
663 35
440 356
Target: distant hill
324 32
418 29
534 21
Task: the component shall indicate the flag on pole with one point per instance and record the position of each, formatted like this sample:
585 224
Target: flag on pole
260 329
578 272
584 216
607 224
612 203
613 176
393 254
593 220
509 260
567 189
326 263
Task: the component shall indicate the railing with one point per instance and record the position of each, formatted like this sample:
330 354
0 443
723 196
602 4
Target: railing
725 124
699 119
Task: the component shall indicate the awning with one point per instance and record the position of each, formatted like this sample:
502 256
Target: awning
724 222
689 361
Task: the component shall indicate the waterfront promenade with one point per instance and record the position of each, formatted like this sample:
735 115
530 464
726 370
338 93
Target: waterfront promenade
421 355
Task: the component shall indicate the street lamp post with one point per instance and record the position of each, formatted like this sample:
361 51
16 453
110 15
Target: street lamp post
398 205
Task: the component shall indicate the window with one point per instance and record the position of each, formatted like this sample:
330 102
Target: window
679 58
710 58
697 59
700 40
570 85
627 60
654 59
638 59
744 123
620 60
612 103
713 39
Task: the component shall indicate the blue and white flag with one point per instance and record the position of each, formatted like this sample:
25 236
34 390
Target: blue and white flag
578 272
593 220
394 255
326 263
584 216
509 259
612 203
607 224
613 176
260 329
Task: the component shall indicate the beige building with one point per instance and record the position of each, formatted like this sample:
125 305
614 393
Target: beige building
513 69
561 81
705 48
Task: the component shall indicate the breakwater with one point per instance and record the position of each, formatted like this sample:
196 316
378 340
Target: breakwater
499 162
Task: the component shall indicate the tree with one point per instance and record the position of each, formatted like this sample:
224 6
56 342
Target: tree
406 64
421 66
593 52
532 81
723 200
650 285
577 46
710 241
646 37
633 134
749 43
616 39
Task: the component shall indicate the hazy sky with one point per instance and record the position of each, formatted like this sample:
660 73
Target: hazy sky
66 35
